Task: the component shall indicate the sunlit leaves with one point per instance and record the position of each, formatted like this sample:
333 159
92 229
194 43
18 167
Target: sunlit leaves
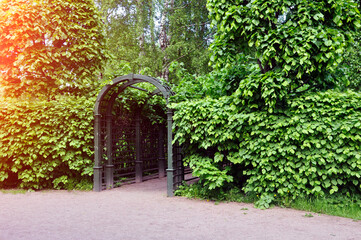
42 142
310 148
305 39
47 47
209 171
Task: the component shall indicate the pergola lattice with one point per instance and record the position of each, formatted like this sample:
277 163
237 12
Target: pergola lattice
111 138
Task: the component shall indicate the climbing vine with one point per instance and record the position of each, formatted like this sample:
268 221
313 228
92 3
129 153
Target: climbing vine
312 148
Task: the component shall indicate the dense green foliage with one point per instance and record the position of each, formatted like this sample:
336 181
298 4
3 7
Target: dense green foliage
259 121
339 204
46 144
343 205
53 51
299 41
247 125
50 144
50 47
352 64
312 147
51 55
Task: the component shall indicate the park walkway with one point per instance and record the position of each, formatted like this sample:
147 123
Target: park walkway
142 211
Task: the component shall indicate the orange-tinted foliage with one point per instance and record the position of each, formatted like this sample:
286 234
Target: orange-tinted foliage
17 24
46 46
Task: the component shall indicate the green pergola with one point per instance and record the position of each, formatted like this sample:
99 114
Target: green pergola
103 126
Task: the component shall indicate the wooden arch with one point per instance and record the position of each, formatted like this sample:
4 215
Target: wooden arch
107 97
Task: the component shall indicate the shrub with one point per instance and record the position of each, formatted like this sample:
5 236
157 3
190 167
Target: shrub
49 47
352 64
301 40
312 147
46 144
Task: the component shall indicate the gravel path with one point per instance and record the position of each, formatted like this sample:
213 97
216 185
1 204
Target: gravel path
142 211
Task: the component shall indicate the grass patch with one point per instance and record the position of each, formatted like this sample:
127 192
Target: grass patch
342 205
197 191
335 205
83 185
308 215
13 191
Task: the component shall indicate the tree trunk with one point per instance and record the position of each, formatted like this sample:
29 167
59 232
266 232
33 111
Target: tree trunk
140 27
165 38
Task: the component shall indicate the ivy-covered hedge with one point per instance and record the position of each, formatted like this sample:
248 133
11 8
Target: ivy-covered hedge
312 147
46 144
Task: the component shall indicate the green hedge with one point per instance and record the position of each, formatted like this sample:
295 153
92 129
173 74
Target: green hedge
311 147
46 144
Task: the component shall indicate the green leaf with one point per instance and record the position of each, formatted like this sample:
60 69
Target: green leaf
328 43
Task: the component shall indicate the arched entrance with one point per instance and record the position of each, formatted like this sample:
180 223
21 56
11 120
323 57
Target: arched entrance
106 139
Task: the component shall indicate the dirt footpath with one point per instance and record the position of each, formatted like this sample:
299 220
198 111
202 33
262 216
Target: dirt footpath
142 211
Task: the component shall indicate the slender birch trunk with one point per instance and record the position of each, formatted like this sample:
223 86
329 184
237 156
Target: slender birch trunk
164 38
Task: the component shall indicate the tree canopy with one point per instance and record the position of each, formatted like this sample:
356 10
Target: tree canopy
48 47
297 44
148 36
273 118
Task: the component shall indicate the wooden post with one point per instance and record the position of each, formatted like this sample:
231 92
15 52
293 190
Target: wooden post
109 167
138 150
170 170
161 157
97 181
